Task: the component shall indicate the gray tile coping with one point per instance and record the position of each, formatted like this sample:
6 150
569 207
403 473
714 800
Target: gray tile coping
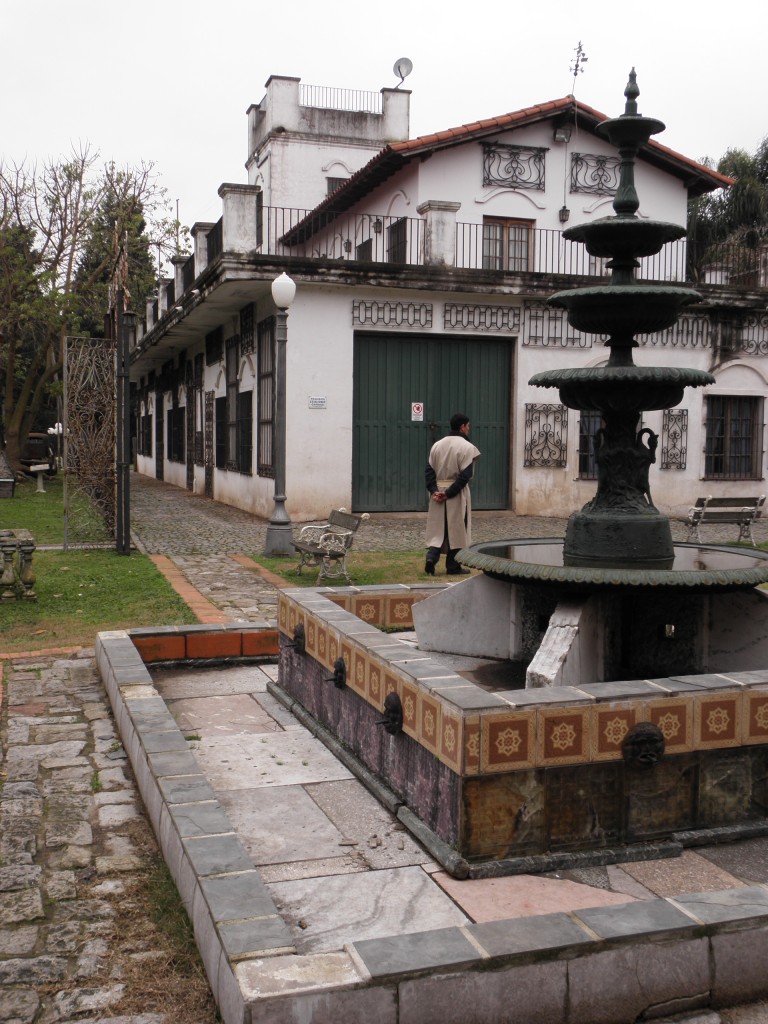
709 681
757 677
417 951
546 695
729 905
216 855
256 936
646 917
529 934
187 789
236 896
200 819
619 690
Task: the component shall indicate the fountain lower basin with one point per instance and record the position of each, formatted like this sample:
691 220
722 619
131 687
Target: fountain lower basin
501 781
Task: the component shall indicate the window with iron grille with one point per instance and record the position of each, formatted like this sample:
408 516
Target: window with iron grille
590 422
397 239
507 244
265 465
147 434
334 183
175 424
232 367
734 438
221 433
198 410
214 346
245 432
364 251
247 329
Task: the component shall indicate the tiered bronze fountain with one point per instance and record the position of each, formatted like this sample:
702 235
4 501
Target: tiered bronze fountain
620 538
621 524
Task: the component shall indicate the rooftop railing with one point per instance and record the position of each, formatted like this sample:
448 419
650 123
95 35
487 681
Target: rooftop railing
326 98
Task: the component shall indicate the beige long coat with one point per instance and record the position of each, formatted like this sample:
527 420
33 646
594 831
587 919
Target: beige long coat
448 458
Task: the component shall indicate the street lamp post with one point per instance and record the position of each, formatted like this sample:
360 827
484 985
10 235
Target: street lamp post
279 536
126 337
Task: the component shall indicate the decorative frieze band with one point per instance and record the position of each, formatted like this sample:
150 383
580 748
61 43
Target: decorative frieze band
375 313
465 316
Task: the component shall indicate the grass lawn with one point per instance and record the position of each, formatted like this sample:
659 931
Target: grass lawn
80 593
366 568
43 514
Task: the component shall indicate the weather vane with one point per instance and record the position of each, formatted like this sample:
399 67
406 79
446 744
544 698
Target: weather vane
577 67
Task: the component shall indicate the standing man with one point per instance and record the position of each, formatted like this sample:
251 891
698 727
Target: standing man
449 519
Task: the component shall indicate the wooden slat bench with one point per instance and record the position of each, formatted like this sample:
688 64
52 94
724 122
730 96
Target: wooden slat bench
709 511
326 544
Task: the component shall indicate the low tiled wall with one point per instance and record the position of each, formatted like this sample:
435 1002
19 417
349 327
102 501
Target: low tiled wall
519 772
618 963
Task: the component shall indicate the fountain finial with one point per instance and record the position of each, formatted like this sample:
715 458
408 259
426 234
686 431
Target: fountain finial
631 92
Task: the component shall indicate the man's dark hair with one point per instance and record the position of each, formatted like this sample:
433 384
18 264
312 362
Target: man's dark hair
458 420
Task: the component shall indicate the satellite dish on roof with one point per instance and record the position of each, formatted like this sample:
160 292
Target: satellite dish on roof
403 67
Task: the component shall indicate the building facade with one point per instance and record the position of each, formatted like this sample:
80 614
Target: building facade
422 268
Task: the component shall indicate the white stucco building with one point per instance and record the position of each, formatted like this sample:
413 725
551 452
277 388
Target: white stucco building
422 269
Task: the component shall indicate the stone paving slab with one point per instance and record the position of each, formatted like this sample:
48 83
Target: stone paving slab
271 760
280 827
222 715
373 904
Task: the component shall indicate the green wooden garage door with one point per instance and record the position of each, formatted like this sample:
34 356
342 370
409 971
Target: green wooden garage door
447 375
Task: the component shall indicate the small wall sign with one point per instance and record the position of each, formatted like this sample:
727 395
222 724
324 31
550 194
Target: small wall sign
417 412
318 402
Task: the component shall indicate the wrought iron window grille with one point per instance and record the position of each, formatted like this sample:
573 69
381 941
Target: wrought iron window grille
247 329
373 313
466 316
754 334
674 439
545 327
594 173
546 435
506 166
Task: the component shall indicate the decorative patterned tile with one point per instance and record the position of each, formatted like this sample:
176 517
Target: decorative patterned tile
392 684
450 746
369 608
507 741
345 652
399 610
563 735
674 716
359 674
409 695
322 646
311 628
610 724
293 618
282 612
717 721
333 647
429 722
755 716
471 745
374 691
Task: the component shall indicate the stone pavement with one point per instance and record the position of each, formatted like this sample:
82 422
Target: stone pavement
75 844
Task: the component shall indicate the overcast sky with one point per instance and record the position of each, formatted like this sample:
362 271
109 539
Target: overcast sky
170 80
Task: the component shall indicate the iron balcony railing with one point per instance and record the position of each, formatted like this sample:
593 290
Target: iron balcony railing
372 238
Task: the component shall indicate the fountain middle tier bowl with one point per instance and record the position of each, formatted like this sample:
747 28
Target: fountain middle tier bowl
622 388
624 309
624 237
695 567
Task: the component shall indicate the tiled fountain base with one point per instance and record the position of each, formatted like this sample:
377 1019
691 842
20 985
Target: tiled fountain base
607 963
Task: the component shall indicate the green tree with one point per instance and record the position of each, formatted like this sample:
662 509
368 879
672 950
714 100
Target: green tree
60 230
730 225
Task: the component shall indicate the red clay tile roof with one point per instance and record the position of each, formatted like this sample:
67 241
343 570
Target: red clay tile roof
698 179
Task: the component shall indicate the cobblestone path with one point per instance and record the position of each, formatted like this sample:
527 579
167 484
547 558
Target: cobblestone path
76 939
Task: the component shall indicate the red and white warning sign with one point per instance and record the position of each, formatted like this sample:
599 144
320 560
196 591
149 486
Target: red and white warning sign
417 412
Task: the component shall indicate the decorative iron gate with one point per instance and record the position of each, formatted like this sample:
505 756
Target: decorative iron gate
90 433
